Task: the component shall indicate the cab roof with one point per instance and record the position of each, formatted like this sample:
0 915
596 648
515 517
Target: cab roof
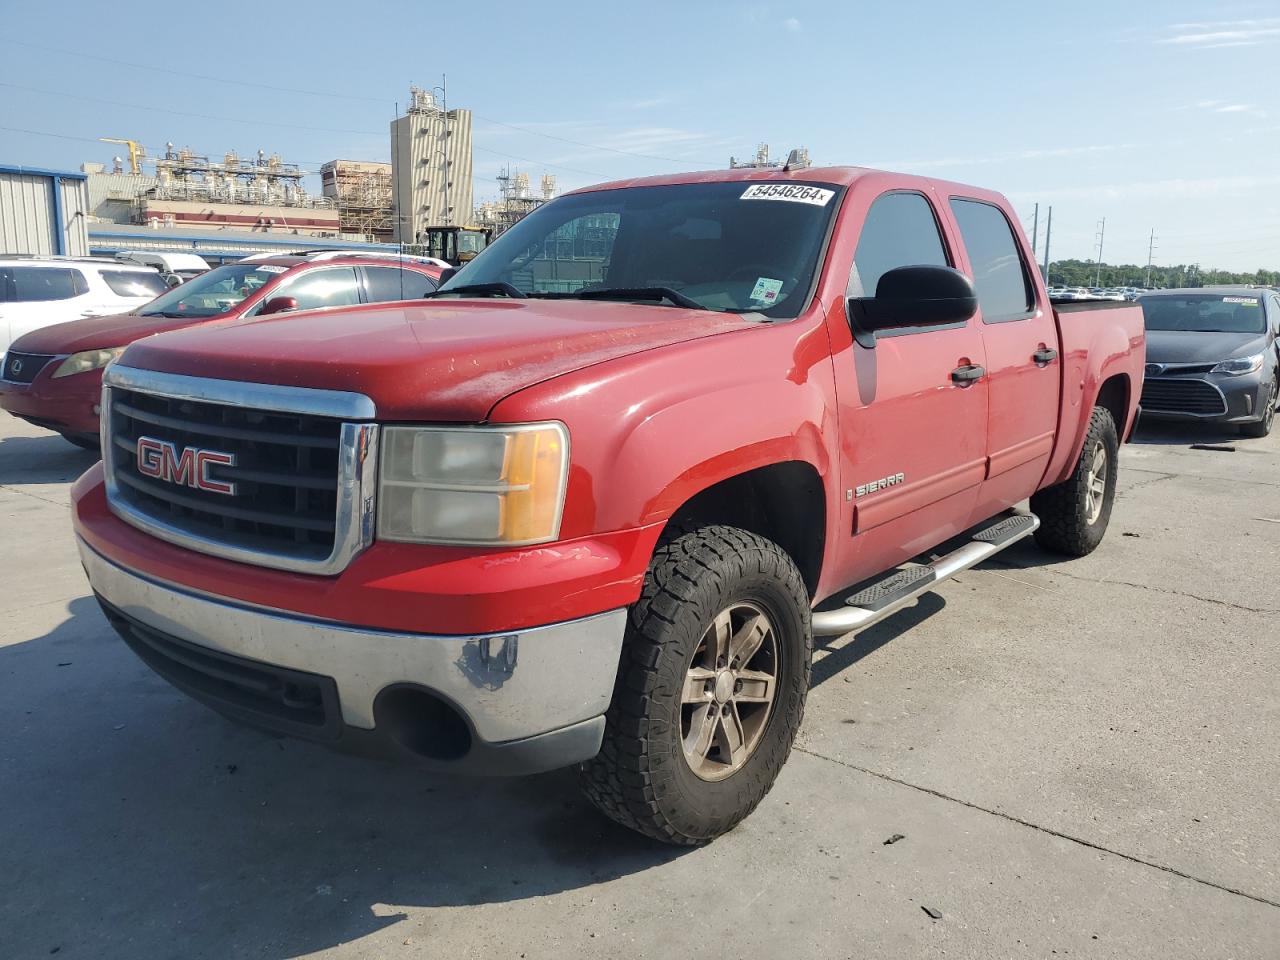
844 176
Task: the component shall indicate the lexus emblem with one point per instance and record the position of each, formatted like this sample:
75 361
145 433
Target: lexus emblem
1154 369
15 365
190 466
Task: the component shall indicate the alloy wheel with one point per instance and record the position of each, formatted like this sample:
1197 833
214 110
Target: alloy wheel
1096 484
729 691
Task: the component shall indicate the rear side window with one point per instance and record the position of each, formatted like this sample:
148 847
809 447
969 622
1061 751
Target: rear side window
39 284
134 283
999 273
390 283
900 231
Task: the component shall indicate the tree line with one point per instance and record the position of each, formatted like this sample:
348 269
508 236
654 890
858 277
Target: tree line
1082 273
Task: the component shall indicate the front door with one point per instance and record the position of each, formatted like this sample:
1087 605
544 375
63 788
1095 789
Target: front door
913 435
1024 371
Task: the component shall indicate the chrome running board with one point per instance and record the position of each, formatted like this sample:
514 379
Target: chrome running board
889 594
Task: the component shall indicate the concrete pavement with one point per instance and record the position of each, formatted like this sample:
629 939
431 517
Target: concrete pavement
1081 757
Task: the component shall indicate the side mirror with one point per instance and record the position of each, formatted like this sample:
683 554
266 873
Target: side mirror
923 296
278 305
448 274
172 279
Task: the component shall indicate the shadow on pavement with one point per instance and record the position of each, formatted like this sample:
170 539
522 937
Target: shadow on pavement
873 638
1181 432
43 459
137 823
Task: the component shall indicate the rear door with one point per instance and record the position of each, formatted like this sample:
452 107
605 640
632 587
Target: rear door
394 283
1020 338
914 439
38 295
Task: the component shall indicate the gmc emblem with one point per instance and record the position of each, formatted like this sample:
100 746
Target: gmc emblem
161 460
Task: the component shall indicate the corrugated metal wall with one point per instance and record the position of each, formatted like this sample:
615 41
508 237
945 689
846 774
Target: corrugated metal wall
418 146
28 219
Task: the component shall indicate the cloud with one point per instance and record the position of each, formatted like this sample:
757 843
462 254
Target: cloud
792 24
1225 106
1221 33
1159 189
1044 153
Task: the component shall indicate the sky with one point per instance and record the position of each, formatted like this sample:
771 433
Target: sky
1159 116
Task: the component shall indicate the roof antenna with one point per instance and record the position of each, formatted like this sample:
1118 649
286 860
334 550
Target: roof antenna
797 159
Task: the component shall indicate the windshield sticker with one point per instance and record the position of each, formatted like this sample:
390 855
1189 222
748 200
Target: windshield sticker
793 192
766 290
270 268
1248 301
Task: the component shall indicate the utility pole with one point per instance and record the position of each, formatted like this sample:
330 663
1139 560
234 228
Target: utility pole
1102 235
1048 229
1151 247
1035 230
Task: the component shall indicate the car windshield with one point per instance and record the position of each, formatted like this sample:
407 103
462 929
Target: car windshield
215 292
732 246
1204 313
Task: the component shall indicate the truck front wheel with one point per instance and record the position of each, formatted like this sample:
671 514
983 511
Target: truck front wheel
1074 514
710 690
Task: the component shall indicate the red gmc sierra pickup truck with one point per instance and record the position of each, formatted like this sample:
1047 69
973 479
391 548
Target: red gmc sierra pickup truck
590 502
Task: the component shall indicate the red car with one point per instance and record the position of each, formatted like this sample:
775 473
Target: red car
590 503
52 377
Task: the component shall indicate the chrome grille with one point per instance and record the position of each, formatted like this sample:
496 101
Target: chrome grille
1170 395
302 482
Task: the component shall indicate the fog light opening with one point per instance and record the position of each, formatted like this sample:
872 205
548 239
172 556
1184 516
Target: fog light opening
422 723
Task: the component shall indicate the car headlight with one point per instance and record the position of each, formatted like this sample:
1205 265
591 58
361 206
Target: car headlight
473 485
86 360
1239 366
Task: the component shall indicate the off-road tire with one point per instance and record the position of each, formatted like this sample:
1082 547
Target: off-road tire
1065 526
641 778
1263 427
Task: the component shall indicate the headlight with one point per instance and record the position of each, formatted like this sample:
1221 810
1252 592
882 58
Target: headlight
87 360
1239 366
473 485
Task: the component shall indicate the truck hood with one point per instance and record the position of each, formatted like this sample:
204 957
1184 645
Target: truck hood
97 333
1186 346
445 360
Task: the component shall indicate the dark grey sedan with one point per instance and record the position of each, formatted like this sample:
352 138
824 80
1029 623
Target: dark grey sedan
1212 355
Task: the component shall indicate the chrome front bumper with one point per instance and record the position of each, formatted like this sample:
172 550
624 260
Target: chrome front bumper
528 685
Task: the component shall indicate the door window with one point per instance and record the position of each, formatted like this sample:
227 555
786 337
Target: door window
331 287
134 283
900 231
40 284
391 283
1000 275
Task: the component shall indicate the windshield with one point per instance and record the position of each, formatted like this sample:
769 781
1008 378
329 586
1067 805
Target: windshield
732 246
1204 313
215 292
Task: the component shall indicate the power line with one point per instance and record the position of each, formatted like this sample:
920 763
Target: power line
186 73
185 113
591 146
320 93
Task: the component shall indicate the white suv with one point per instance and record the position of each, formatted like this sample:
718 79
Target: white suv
39 291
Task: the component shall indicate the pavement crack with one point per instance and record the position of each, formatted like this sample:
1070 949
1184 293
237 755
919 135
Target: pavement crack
1140 586
28 493
1042 829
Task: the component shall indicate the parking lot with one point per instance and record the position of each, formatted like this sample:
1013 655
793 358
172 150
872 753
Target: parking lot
1081 758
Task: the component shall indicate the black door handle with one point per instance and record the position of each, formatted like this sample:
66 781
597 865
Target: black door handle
1045 355
967 375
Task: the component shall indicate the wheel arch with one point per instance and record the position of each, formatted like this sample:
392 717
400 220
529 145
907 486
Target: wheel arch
784 502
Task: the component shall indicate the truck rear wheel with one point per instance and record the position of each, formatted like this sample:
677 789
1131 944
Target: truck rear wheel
710 690
1074 514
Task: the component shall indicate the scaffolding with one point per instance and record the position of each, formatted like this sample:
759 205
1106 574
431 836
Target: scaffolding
362 192
262 180
516 201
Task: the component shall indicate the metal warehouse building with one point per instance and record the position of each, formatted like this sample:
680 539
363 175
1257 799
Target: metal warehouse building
43 212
